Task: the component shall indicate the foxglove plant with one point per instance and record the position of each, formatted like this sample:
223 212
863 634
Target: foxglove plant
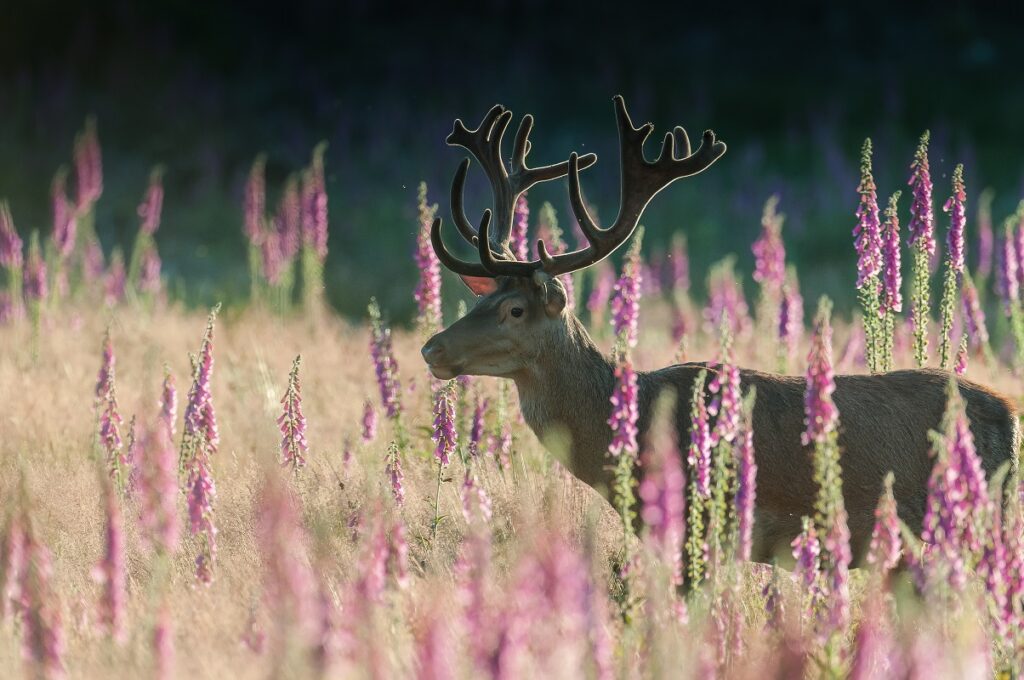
699 461
255 208
868 242
43 642
807 571
1006 283
144 252
12 564
115 283
11 259
292 423
960 363
369 422
110 572
35 285
954 205
385 365
157 491
520 238
663 492
199 441
986 239
770 263
726 300
65 229
314 228
88 166
168 403
393 470
109 420
597 301
746 481
974 321
791 320
886 544
892 281
922 243
445 437
428 289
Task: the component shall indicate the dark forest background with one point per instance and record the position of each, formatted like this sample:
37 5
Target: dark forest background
202 88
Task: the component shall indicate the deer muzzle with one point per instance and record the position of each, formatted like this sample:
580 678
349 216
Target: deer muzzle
437 359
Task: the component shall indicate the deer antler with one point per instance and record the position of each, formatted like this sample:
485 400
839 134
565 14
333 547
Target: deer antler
640 181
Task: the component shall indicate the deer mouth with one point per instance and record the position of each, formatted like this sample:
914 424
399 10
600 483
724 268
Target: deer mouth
443 372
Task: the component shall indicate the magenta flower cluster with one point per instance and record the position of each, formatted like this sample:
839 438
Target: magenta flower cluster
769 249
867 232
663 496
520 239
820 414
625 411
954 205
428 289
292 423
445 436
892 282
922 220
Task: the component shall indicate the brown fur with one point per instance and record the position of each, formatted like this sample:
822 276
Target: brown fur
565 382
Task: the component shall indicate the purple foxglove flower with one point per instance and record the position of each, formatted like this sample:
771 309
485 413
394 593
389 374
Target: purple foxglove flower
289 585
726 300
157 490
168 404
314 204
149 271
292 423
42 631
393 469
398 553
369 422
65 222
873 645
604 284
200 497
699 453
867 233
475 501
725 404
273 264
476 429
746 489
837 543
922 220
954 205
201 436
384 362
163 644
520 241
626 299
428 289
886 544
445 436
663 496
774 604
110 572
94 264
807 552
625 411
115 284
256 201
1008 273
960 365
679 259
974 316
820 414
152 204
88 166
109 417
12 566
10 243
791 316
435 645
288 224
35 286
892 297
986 240
373 565
769 250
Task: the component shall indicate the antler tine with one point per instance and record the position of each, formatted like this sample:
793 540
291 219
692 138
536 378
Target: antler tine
495 266
458 205
641 180
450 261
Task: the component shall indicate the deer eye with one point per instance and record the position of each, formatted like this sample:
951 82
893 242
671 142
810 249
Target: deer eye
516 312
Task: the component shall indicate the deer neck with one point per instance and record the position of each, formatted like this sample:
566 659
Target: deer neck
564 396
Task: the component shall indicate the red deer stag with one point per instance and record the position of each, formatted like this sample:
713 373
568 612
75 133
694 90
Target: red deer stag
520 329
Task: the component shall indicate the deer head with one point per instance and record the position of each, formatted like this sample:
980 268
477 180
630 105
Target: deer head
522 307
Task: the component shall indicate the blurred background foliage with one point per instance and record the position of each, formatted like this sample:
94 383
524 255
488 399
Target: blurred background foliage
202 88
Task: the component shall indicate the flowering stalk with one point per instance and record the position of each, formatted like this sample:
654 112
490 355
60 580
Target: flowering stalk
198 442
868 241
11 259
974 321
699 461
386 367
110 572
746 480
726 406
314 228
922 242
369 422
35 286
547 225
445 437
115 282
663 490
43 643
108 417
726 300
791 320
891 298
960 364
292 423
393 470
886 546
428 288
954 205
770 262
603 284
143 251
157 492
255 208
986 240
520 239
625 411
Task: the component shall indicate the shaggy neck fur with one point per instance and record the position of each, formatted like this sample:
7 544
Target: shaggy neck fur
564 395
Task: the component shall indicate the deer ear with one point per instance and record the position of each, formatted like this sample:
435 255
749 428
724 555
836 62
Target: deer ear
552 291
480 285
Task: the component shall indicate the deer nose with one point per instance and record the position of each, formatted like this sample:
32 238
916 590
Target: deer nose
433 352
